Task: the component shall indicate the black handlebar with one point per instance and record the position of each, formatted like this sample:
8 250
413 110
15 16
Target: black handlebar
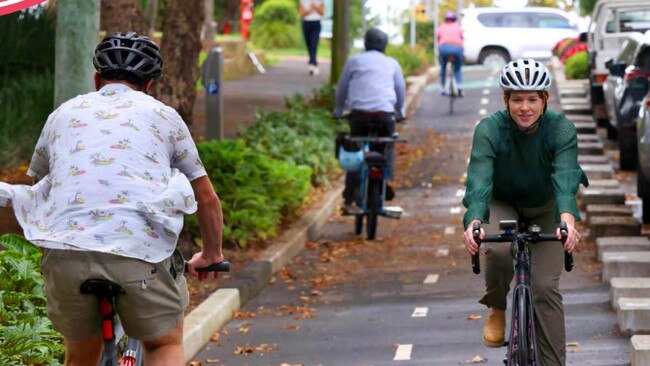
501 238
218 267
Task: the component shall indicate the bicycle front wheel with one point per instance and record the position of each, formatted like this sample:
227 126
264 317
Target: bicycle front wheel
523 356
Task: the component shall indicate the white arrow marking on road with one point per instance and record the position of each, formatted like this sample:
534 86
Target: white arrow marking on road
420 312
485 101
454 210
450 230
403 352
432 278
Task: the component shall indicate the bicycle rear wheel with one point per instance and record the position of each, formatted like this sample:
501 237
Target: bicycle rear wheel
452 92
374 205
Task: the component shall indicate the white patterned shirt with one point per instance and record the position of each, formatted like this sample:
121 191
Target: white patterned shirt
115 168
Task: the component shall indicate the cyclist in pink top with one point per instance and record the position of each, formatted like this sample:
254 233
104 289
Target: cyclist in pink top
450 43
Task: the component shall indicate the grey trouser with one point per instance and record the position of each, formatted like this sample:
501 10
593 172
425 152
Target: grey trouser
547 262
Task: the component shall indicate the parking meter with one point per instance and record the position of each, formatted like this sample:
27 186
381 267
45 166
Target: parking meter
212 83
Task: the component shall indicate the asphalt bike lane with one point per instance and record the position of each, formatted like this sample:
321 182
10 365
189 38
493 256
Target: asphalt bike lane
409 297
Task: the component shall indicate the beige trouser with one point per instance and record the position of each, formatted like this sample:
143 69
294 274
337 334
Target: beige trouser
547 262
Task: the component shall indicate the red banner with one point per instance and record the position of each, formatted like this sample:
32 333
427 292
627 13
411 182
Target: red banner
12 6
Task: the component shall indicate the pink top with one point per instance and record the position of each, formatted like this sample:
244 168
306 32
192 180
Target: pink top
450 33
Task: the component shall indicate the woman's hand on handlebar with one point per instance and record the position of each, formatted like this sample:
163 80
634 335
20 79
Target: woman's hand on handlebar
200 261
573 236
468 237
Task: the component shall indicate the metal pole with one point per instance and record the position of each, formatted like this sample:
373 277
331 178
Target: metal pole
77 29
212 82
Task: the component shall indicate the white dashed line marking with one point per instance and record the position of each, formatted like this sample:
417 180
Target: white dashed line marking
485 101
432 278
403 352
450 230
486 91
420 312
460 192
454 210
482 112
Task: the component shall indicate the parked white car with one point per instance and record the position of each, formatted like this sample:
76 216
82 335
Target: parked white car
498 35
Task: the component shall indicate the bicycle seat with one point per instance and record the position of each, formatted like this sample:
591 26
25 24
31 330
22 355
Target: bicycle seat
103 289
374 158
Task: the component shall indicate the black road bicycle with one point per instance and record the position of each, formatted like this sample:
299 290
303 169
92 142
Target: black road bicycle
522 341
451 86
119 349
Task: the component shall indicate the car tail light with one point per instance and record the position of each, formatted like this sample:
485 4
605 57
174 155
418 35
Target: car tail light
647 102
600 78
636 74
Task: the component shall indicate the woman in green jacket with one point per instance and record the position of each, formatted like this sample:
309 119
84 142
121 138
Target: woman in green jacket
524 164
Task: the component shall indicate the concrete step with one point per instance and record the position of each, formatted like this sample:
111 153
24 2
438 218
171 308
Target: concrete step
598 171
604 226
589 137
586 127
628 287
590 148
572 92
625 264
576 118
640 350
574 100
604 183
602 195
613 244
634 315
593 159
608 210
577 108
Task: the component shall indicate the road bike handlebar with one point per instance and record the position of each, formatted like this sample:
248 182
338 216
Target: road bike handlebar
511 237
217 267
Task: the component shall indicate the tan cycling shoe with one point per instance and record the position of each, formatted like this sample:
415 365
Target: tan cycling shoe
495 328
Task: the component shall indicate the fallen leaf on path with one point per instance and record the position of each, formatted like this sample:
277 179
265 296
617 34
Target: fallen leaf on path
212 360
473 317
244 329
477 359
573 344
215 337
292 327
195 363
243 315
247 349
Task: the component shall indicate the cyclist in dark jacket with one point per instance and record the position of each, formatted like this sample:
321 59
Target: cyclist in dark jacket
524 164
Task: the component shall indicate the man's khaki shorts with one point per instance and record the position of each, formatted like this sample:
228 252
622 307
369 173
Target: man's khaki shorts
152 305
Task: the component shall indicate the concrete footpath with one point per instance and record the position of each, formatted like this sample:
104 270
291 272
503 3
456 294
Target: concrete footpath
242 98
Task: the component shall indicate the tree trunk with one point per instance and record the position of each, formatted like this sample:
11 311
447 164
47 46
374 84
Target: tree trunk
122 16
180 47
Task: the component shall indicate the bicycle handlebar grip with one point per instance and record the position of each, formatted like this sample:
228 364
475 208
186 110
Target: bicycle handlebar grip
217 267
568 257
476 262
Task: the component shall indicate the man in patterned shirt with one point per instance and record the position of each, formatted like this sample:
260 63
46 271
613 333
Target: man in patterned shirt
116 171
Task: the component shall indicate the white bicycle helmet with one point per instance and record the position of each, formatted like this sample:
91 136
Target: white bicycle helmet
350 161
524 75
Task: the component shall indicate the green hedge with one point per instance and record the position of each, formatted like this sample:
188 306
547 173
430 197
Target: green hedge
577 66
276 25
26 334
412 59
424 34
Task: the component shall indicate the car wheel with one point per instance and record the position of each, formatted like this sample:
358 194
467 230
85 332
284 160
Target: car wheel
493 57
627 149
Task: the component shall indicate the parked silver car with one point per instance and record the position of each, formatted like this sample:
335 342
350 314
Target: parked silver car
643 170
624 88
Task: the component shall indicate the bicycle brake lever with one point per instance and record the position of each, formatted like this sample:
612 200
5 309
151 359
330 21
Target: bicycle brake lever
568 257
476 262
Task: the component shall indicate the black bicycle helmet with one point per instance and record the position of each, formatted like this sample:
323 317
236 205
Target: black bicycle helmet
376 40
130 53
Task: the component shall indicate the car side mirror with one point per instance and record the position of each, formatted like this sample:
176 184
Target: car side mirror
617 69
582 37
609 63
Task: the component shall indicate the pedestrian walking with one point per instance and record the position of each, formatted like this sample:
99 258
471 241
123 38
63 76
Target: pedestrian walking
311 13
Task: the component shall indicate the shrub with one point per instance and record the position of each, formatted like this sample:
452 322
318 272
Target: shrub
572 50
255 190
577 66
276 25
562 46
424 34
412 59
